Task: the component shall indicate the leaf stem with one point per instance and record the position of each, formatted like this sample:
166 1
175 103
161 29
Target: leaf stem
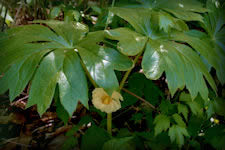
109 115
109 123
128 73
140 98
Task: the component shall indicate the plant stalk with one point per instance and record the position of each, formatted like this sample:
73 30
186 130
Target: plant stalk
140 98
109 115
128 73
109 123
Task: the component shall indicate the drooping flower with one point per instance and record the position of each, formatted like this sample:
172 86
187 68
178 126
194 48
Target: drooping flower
101 100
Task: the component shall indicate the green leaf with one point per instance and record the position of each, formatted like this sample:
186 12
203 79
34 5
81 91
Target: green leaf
182 65
194 126
71 15
219 105
214 20
130 43
55 12
101 62
214 25
166 22
178 119
185 97
119 61
44 82
206 47
177 134
17 43
121 143
60 110
182 109
152 92
20 73
3 85
152 141
57 47
187 10
152 62
145 25
190 16
65 69
94 138
23 50
167 108
71 33
195 108
209 109
123 132
193 104
72 83
215 136
162 123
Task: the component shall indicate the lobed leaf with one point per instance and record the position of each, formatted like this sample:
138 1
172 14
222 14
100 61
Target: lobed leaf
182 65
178 119
177 134
101 62
59 47
162 123
44 82
130 43
182 109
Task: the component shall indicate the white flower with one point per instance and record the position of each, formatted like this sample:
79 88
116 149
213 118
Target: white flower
104 102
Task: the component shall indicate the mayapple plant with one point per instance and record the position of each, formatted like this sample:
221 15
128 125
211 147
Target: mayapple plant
64 54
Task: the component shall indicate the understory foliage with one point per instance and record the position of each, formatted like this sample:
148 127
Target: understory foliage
174 51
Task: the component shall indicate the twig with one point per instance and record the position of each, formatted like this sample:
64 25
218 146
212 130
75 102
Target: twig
122 112
59 131
138 97
21 99
11 141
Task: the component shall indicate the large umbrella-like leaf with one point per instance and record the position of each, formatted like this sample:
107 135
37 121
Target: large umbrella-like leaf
182 64
52 54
